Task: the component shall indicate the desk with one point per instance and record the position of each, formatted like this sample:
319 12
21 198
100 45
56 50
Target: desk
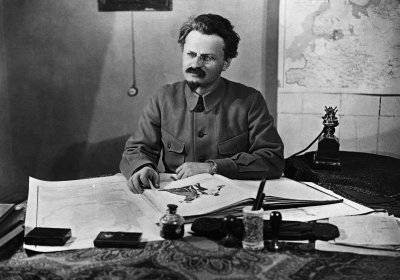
197 258
369 179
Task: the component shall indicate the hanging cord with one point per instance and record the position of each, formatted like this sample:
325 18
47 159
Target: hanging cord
302 151
132 91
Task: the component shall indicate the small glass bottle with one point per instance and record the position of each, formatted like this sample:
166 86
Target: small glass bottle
172 224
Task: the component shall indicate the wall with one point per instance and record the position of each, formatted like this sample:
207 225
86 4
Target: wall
7 171
339 71
66 69
366 123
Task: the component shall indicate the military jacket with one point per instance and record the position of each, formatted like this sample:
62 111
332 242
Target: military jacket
235 130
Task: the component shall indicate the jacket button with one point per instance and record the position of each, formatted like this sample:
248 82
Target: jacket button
201 134
169 145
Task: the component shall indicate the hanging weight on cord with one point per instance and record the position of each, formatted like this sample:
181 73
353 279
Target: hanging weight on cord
133 90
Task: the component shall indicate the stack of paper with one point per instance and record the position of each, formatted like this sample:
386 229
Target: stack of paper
11 221
365 234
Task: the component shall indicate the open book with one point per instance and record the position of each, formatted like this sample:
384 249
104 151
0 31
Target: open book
216 195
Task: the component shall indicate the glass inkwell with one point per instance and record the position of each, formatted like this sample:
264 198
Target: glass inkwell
172 224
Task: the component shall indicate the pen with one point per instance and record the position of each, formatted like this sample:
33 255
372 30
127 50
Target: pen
258 201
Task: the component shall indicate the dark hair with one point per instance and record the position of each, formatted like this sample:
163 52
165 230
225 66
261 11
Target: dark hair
212 24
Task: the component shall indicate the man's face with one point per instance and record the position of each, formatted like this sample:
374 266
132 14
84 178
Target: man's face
203 59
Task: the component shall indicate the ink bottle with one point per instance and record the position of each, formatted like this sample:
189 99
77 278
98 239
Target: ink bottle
172 224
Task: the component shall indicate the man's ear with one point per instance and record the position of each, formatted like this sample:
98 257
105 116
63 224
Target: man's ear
227 62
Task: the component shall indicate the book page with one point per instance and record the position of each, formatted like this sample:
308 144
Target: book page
288 188
196 195
293 190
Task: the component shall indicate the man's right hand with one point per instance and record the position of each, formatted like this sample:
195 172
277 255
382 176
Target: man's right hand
142 178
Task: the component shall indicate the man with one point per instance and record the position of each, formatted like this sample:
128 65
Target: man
205 124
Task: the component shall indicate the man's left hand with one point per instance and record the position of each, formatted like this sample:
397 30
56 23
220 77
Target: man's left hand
188 169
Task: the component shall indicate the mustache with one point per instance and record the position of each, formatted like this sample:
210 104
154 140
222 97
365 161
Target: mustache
197 71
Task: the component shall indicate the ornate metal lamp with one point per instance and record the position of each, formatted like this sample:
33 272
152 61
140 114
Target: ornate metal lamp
327 154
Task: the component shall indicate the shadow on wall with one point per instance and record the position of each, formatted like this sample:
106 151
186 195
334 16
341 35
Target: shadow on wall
85 160
80 160
55 54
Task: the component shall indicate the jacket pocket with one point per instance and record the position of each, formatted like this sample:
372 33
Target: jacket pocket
173 151
234 145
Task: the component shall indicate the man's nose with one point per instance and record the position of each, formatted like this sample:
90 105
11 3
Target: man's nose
197 62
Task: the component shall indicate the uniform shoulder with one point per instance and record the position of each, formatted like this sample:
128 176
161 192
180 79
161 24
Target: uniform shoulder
170 93
240 88
172 87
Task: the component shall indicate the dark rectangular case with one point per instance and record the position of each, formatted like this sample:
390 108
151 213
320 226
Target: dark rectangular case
118 239
48 236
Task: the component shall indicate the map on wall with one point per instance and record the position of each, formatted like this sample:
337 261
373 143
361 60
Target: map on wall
340 46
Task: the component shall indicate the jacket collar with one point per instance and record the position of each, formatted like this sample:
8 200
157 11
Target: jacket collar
211 99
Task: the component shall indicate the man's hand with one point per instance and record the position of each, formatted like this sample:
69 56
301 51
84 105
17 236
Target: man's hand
188 169
142 178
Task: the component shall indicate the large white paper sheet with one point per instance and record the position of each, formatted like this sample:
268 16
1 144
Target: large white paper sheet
368 230
372 234
330 247
88 206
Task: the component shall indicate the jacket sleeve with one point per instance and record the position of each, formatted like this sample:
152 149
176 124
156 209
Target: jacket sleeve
264 157
144 146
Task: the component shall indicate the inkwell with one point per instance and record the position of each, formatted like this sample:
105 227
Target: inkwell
172 224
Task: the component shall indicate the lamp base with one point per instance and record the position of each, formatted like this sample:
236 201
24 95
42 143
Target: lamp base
327 154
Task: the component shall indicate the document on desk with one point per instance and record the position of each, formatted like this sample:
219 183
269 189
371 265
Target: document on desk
88 206
371 234
368 231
